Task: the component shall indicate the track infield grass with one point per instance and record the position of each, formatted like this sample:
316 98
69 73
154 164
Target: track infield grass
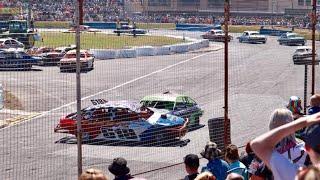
103 41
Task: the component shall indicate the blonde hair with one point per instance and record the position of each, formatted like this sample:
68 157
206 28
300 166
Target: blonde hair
205 176
281 117
93 174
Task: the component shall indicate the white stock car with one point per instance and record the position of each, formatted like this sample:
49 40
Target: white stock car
252 37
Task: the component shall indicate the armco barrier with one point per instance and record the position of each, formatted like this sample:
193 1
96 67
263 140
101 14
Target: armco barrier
145 51
127 53
104 54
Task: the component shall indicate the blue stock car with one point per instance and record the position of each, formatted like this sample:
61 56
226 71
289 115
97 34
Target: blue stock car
291 39
17 60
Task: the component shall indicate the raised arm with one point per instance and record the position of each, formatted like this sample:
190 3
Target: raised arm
263 145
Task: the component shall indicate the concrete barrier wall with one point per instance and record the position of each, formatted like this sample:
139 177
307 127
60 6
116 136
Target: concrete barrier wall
104 54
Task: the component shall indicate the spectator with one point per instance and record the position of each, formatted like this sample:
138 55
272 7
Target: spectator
311 173
281 167
256 168
288 146
191 162
93 174
120 170
216 166
295 107
232 157
205 176
234 176
314 104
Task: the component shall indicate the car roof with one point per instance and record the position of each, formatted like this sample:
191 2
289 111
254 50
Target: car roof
172 97
134 106
251 31
303 47
74 51
290 33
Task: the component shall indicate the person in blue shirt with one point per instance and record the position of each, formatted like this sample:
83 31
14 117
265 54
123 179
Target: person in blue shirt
232 157
218 167
314 104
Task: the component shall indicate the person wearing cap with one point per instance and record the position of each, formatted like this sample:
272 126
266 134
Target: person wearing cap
295 107
216 166
282 168
191 162
119 169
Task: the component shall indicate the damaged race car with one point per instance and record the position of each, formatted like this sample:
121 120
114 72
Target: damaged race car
177 104
124 121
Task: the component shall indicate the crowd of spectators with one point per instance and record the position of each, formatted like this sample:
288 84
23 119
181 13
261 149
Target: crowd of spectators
279 154
113 10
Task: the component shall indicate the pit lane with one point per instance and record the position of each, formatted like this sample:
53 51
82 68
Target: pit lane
262 78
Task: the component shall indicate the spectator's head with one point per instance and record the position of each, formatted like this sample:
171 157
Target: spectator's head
294 105
119 167
93 174
311 137
232 153
234 176
315 100
191 162
211 151
278 118
310 173
205 176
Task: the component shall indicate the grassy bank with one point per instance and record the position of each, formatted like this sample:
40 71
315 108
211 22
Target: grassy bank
103 41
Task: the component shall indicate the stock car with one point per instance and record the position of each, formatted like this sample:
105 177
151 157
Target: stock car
177 104
129 29
124 121
291 39
15 59
215 35
252 37
68 62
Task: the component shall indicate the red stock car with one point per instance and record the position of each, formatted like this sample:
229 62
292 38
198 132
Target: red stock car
124 121
216 35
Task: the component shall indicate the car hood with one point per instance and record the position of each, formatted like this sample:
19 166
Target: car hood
170 120
73 60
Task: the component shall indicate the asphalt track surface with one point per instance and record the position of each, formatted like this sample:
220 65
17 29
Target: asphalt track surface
262 78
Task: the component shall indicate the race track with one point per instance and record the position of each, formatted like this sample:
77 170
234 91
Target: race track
262 78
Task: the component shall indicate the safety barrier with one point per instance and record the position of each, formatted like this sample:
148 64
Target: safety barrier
104 54
196 27
127 53
145 51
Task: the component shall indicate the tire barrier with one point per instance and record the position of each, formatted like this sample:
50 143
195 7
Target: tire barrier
104 54
145 51
127 53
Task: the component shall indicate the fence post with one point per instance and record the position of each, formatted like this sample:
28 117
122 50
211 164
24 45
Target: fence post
226 68
78 87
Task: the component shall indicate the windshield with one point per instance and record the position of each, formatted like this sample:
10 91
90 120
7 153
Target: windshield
292 36
159 104
255 33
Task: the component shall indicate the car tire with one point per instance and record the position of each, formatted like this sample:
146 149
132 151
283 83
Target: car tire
303 44
264 42
240 41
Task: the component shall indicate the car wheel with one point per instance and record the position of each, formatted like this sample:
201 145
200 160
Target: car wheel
263 42
303 44
240 40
